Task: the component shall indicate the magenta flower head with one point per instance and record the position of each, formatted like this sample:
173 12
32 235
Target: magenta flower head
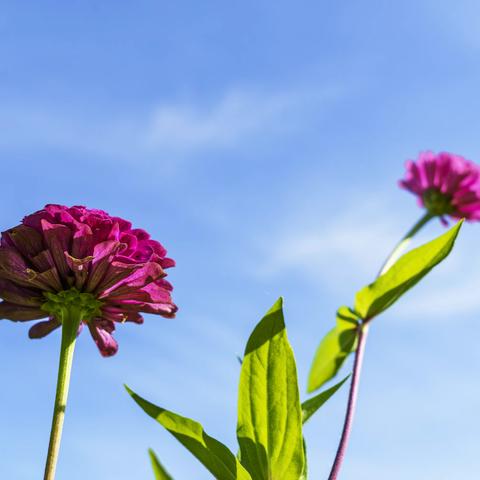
62 259
445 184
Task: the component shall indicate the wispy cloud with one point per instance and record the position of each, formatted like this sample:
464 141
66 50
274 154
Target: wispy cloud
351 244
175 128
237 115
348 251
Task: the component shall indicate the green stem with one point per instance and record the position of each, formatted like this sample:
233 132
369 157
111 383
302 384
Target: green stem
403 243
71 320
359 352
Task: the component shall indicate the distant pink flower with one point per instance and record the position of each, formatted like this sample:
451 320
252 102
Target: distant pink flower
445 184
83 256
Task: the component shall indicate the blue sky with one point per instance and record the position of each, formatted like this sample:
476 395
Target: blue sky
261 143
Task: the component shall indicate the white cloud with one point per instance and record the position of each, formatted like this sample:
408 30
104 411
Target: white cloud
346 252
349 245
234 117
172 128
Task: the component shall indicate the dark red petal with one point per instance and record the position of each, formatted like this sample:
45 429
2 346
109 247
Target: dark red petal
58 238
20 295
41 329
103 254
43 261
19 313
116 314
140 233
114 232
124 225
116 272
134 317
82 244
151 293
13 266
25 239
141 277
79 267
47 280
35 219
167 310
167 263
130 241
60 214
14 269
105 342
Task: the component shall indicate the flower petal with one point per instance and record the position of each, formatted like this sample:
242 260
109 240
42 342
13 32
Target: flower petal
20 313
47 280
25 239
79 266
143 276
41 329
13 266
20 295
82 244
116 272
58 238
103 254
102 336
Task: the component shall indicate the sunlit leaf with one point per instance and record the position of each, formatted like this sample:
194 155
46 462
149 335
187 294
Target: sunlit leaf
158 469
269 427
333 350
304 474
404 274
310 406
215 456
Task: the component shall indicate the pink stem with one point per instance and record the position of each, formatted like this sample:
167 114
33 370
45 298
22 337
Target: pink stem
352 402
362 339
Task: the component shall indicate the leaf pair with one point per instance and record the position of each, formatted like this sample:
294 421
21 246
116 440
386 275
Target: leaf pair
270 416
374 299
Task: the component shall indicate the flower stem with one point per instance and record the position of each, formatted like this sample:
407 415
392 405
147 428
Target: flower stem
403 243
71 320
360 350
352 401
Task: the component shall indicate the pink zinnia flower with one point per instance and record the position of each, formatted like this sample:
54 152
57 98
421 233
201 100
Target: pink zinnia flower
445 184
61 256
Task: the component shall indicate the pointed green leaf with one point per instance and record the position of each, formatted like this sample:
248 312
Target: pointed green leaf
404 274
304 474
215 456
158 469
269 427
310 406
333 350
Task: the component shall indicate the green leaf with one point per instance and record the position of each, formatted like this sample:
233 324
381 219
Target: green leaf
333 350
215 456
404 274
269 426
310 406
304 474
158 470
